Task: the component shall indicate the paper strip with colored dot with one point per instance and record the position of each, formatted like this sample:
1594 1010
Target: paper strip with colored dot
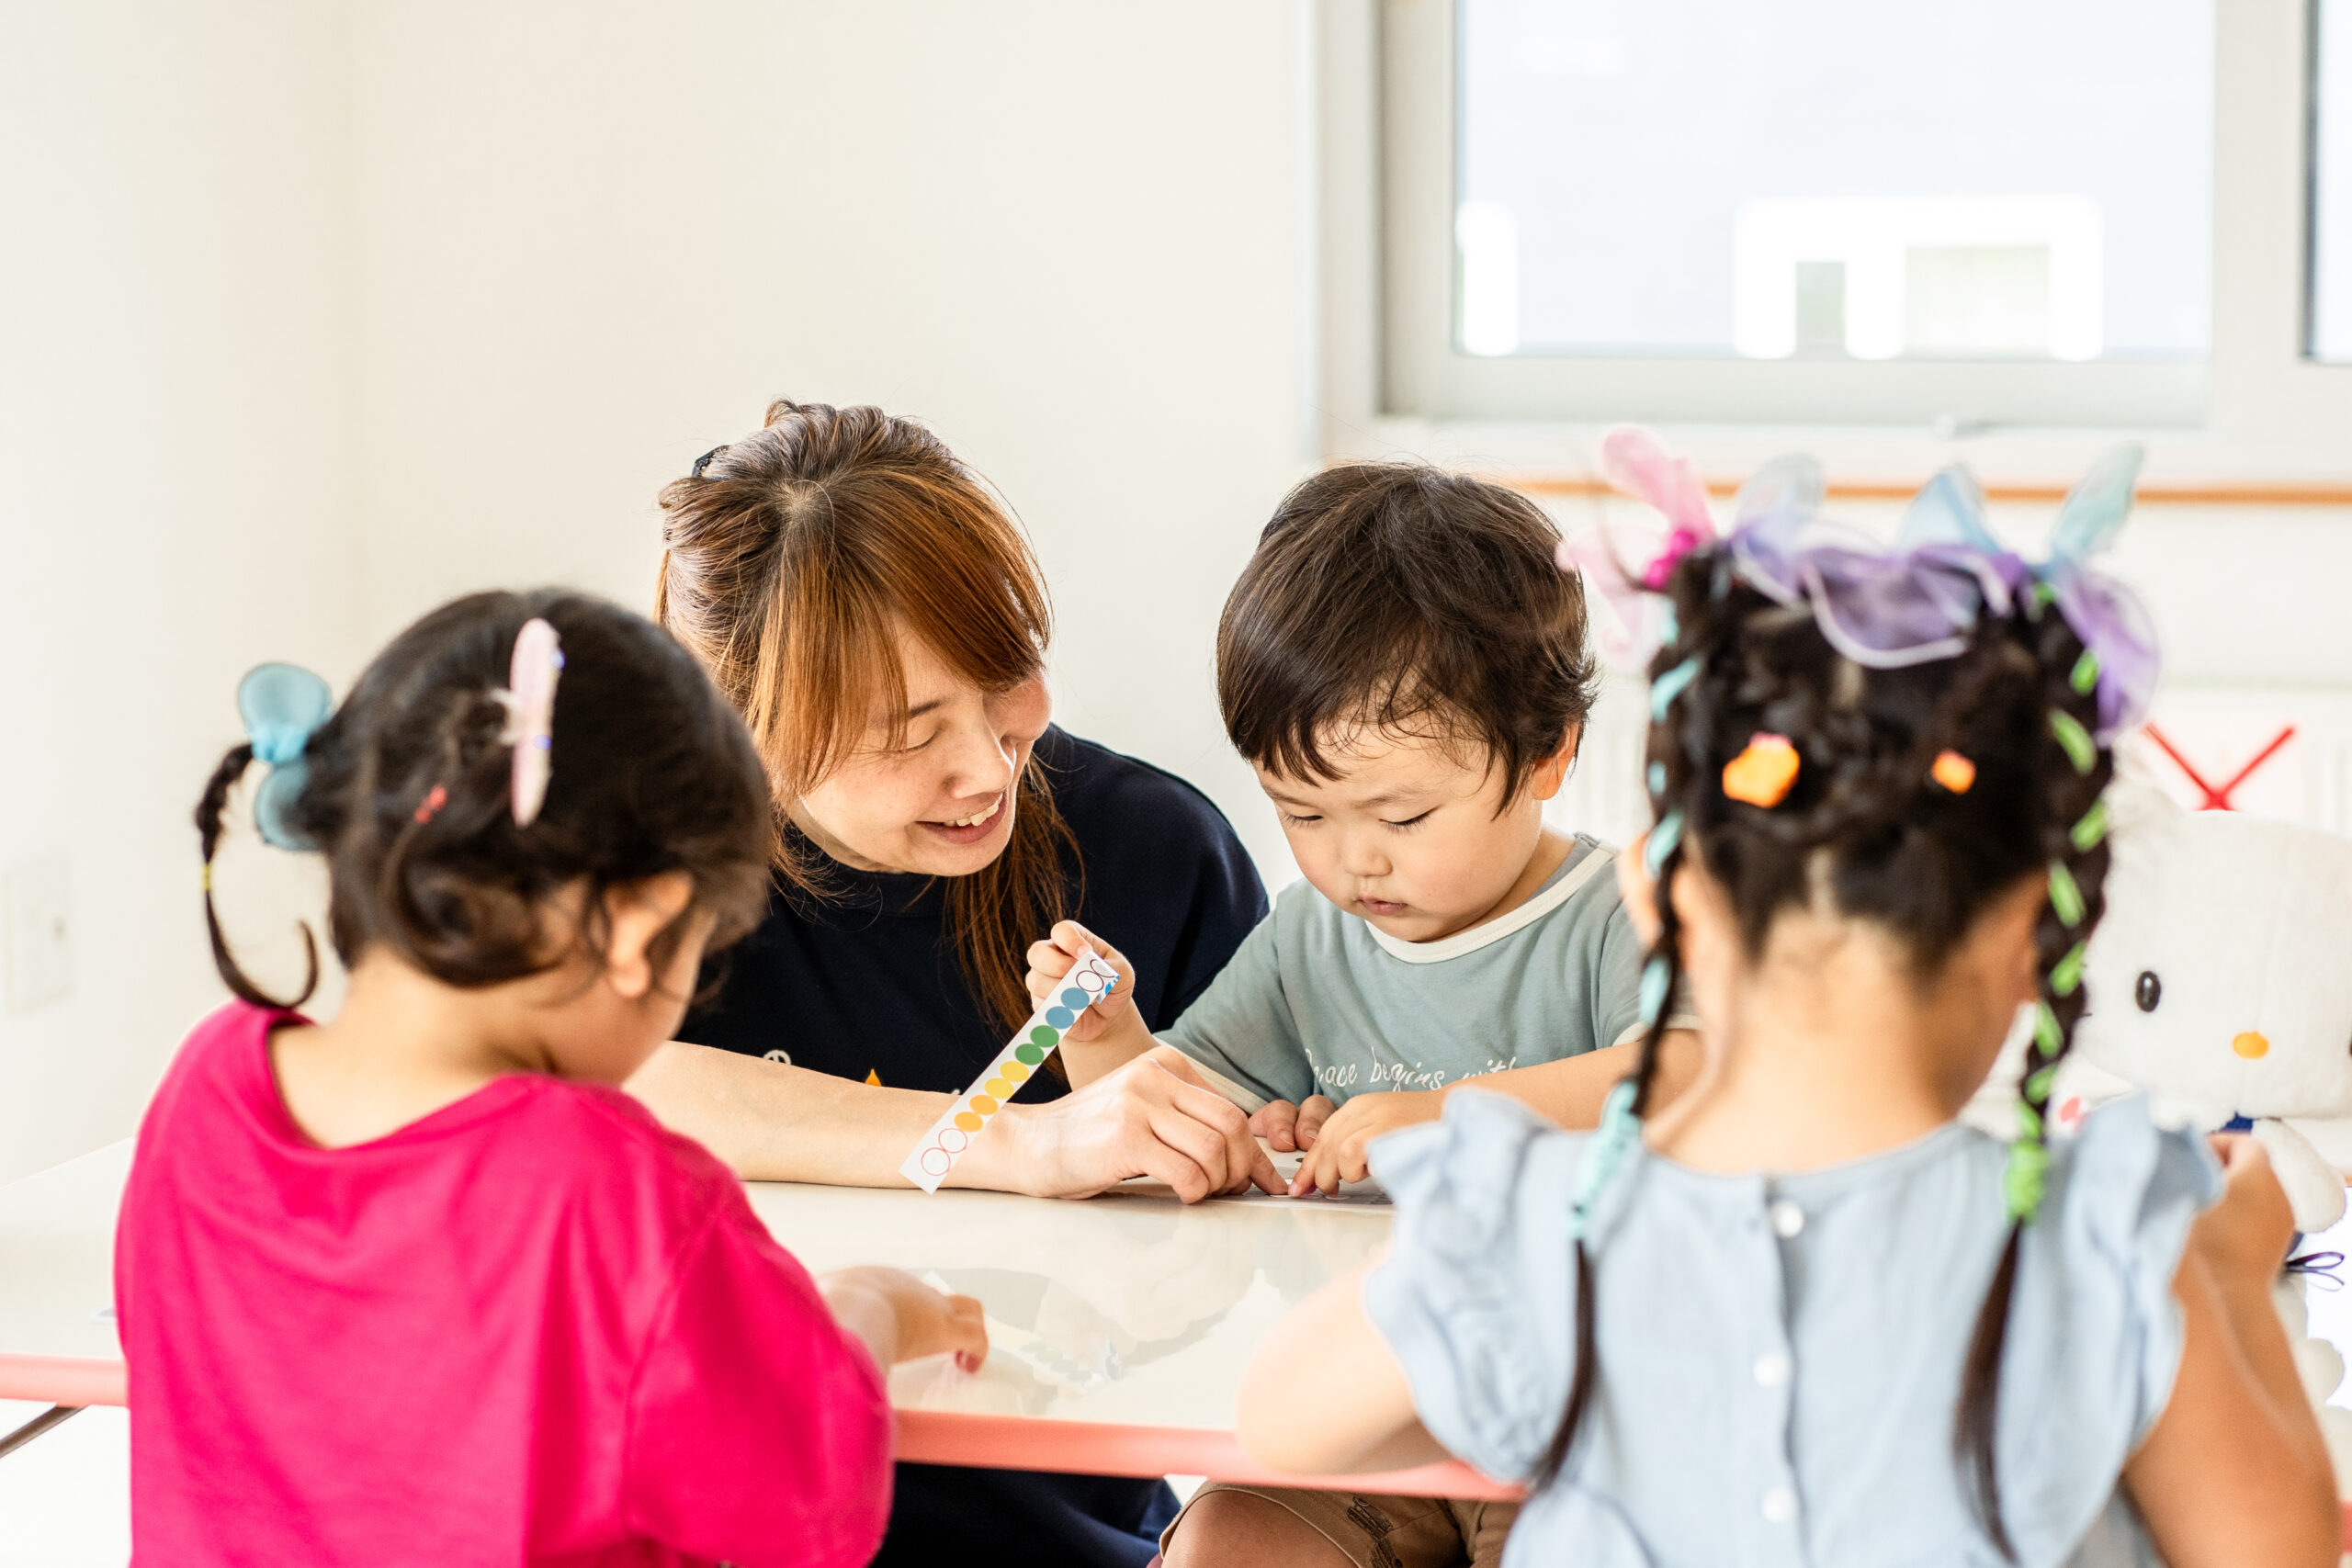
1088 980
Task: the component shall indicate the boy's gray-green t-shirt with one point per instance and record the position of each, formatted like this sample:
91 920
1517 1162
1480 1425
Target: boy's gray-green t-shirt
1318 1001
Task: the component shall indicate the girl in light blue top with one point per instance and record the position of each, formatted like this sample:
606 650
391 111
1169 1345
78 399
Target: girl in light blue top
1802 1317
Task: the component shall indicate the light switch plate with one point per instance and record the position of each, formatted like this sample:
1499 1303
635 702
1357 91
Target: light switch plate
36 910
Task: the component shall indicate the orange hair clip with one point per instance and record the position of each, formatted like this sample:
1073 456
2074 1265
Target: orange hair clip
1954 772
1762 774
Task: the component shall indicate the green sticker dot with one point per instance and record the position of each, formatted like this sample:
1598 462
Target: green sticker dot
1030 1054
1045 1035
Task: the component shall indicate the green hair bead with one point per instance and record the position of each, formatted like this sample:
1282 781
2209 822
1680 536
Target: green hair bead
2081 749
2028 1122
2037 1083
2084 674
2066 895
2067 973
2024 1178
2088 834
2047 1036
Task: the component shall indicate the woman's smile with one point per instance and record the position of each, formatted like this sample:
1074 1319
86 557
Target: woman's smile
973 827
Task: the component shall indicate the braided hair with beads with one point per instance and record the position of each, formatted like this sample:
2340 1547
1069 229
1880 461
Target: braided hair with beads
1912 796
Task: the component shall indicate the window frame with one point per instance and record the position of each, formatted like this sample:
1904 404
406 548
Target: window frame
1392 376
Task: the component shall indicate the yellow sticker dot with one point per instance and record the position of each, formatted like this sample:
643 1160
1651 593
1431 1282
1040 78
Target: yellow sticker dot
1013 1072
965 1120
996 1087
984 1105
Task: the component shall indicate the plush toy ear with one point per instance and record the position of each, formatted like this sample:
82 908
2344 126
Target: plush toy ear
2132 806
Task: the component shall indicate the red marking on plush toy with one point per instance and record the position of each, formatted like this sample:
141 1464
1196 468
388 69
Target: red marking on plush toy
2217 798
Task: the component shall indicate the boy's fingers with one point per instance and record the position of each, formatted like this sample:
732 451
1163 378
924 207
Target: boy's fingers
1277 1123
1316 1111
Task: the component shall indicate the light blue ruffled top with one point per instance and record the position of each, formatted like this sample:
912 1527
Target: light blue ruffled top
1779 1356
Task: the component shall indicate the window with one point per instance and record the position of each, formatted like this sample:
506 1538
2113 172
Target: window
1864 212
2328 307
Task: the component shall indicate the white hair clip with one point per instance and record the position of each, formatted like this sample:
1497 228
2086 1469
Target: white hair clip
530 699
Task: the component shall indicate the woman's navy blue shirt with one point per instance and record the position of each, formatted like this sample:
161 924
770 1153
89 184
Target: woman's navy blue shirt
867 985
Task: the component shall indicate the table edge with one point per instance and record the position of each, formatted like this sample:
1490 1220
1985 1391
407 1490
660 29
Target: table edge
960 1438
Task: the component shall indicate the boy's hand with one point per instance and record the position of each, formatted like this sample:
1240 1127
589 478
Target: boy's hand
902 1319
1051 959
1337 1153
1288 1127
2244 1238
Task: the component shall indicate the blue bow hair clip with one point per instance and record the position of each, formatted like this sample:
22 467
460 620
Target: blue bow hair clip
282 705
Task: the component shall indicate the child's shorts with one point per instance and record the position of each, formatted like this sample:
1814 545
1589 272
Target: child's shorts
1374 1530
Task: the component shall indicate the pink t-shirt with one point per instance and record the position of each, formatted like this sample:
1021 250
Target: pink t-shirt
532 1327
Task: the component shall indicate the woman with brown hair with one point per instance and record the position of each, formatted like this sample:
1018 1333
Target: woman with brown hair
881 625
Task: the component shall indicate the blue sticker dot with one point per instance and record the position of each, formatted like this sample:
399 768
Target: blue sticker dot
1060 1018
1074 997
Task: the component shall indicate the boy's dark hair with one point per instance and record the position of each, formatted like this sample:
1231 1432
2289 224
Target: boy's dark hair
1867 826
653 772
1398 597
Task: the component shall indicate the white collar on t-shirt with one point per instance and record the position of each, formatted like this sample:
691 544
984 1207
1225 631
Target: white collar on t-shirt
1519 920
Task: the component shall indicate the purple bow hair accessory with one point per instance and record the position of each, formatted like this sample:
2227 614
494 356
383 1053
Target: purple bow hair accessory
1887 607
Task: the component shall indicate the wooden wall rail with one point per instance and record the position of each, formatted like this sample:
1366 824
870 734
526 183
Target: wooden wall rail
1577 487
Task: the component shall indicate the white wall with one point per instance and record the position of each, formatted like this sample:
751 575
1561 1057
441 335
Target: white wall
175 378
596 238
311 316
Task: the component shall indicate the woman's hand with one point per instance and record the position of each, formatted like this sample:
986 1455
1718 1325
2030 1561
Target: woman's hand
1115 1014
1155 1117
902 1319
1338 1152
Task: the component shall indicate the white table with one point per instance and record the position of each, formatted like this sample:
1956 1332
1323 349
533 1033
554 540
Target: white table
1118 1327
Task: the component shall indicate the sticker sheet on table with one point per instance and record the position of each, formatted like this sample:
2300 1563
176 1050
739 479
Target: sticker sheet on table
1090 978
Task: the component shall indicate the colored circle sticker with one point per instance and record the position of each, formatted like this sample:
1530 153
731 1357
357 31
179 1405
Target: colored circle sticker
954 1142
935 1161
1074 997
1013 1072
965 1120
1045 1036
1030 1054
982 1104
1060 1018
996 1088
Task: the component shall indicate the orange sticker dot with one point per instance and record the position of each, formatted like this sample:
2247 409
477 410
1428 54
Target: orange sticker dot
1013 1072
965 1120
984 1105
997 1087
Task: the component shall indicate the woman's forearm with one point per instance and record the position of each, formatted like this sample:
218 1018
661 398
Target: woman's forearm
772 1123
1096 1058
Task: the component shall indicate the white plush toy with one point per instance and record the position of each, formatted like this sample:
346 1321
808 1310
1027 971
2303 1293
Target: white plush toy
2218 983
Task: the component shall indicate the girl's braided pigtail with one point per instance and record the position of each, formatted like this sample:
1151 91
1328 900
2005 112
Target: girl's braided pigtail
209 811
2074 770
1628 1102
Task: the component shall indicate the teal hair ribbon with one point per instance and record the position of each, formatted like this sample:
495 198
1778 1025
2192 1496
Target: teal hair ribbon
1652 993
283 705
1618 1131
1671 685
1661 842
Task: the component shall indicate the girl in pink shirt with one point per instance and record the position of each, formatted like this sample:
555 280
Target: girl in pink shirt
419 1284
